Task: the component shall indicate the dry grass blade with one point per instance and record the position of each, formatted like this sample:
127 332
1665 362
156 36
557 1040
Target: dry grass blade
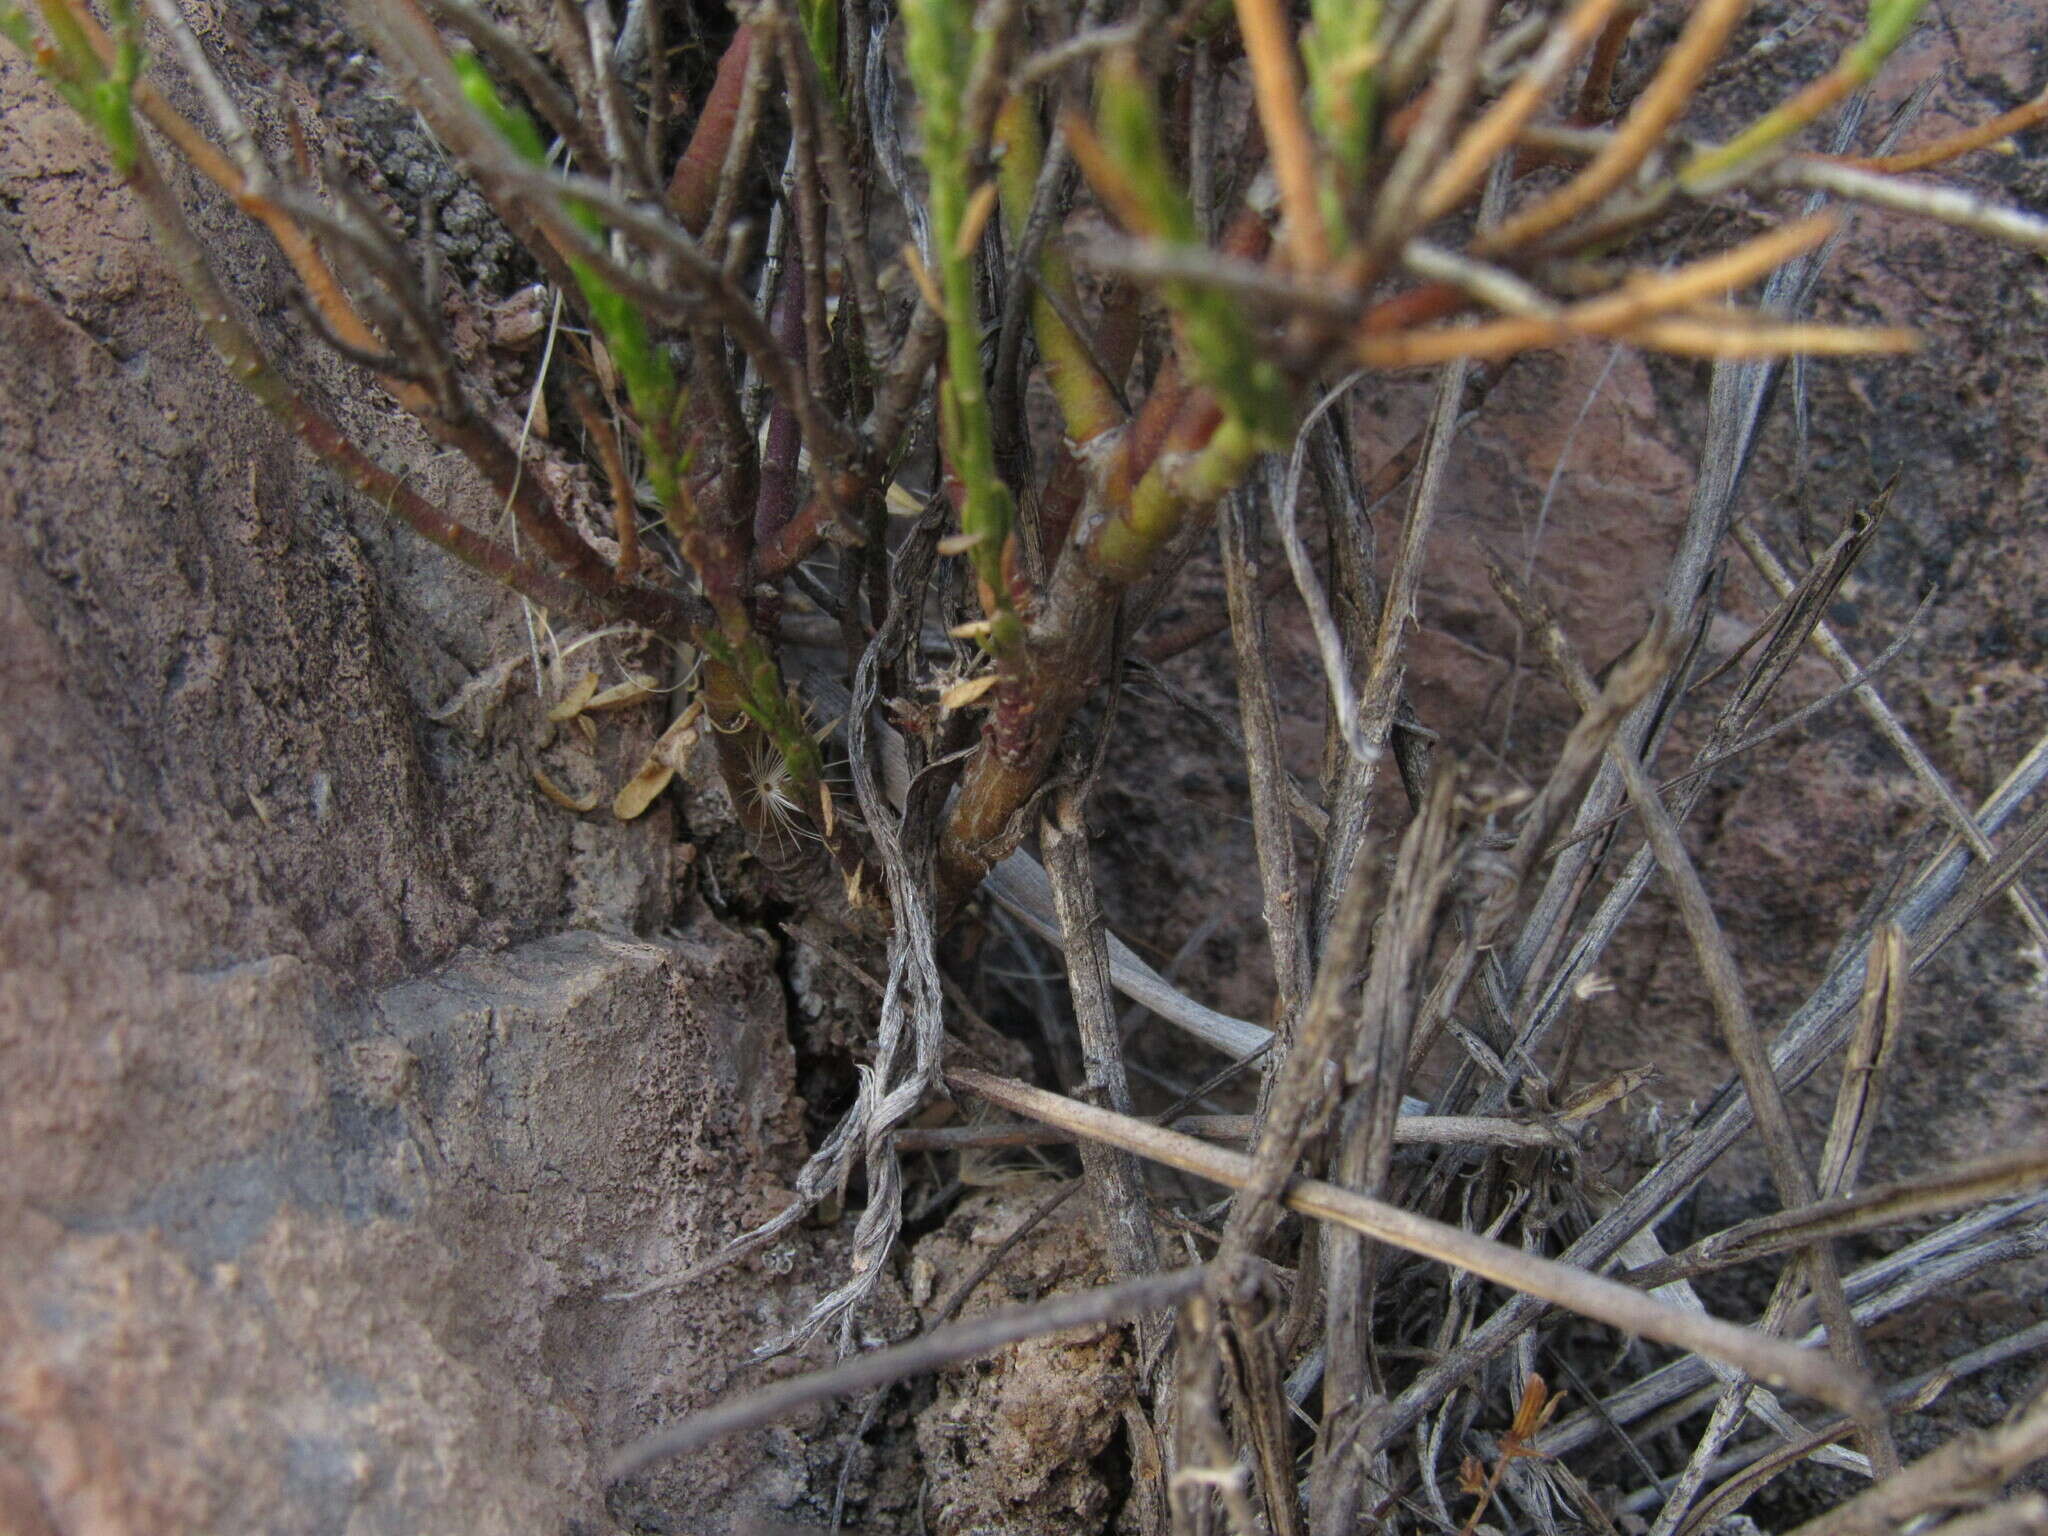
1592 1296
1938 1264
757 408
2003 1177
1946 205
1020 885
2004 126
1644 311
1706 32
1967 1468
1756 1464
1489 138
1865 1071
1379 693
1265 768
1375 1070
1303 1091
1951 808
1276 85
929 1352
1630 683
2025 1515
1749 1479
1985 886
1806 1038
1416 1130
1723 977
1735 400
1709 760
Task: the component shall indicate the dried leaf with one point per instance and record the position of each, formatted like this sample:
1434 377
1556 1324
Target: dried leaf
663 762
642 790
1535 1410
562 797
632 691
573 701
1529 1410
975 220
960 695
677 741
488 685
1609 1090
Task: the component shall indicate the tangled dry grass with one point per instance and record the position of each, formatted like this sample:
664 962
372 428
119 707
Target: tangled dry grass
811 288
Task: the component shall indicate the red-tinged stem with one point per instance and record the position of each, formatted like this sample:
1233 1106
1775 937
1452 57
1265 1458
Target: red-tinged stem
1177 458
1116 341
1418 306
535 514
1201 456
777 505
693 188
665 613
1596 94
803 533
1148 432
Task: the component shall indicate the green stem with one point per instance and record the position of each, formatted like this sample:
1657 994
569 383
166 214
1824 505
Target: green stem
1179 482
643 364
1340 53
1086 403
1890 22
943 50
1222 350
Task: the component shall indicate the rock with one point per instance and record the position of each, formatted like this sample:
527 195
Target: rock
346 1078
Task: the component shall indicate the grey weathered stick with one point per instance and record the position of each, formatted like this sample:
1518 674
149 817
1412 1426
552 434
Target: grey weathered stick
1750 1466
1265 769
1865 1068
1594 1296
1126 1222
1304 1091
1375 1072
1297 1090
1286 494
1021 886
1379 693
1808 1037
1947 205
1627 685
931 1352
1707 762
1409 1131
